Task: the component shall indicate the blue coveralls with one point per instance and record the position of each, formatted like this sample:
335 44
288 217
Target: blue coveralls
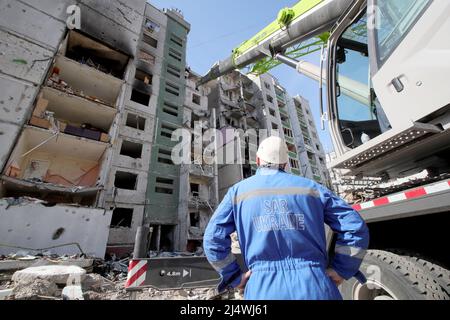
279 219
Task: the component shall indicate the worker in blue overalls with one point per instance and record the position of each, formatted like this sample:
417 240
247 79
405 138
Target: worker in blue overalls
279 219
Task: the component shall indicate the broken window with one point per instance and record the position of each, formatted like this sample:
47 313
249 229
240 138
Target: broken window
131 149
167 131
177 40
144 77
274 126
195 219
272 112
196 99
146 57
270 99
267 85
175 54
151 26
140 97
122 217
171 69
150 40
135 122
125 180
195 189
288 132
164 186
170 109
165 156
96 55
173 89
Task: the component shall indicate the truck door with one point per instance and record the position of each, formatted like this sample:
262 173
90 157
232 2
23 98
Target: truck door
410 48
356 115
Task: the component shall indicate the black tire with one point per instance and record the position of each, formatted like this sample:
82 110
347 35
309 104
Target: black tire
441 275
396 277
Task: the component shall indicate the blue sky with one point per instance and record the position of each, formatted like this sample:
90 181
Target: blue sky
219 26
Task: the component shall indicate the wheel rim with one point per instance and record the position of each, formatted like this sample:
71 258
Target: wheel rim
372 290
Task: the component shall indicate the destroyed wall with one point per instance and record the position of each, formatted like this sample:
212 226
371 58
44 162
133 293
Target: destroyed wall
198 179
66 133
65 226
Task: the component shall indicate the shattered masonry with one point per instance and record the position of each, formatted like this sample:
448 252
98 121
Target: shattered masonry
87 118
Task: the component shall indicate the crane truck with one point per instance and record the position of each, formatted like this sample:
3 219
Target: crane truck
385 66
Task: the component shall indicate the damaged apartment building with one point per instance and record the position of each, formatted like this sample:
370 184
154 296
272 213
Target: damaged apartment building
253 102
87 117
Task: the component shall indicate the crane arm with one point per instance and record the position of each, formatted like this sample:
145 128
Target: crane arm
305 20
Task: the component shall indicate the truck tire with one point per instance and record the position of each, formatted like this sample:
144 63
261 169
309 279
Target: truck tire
392 277
441 275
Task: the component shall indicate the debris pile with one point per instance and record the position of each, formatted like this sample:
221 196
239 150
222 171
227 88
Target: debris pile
57 83
47 276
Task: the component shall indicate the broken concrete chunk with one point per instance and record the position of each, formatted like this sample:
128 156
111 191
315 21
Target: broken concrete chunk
72 293
95 282
34 290
54 274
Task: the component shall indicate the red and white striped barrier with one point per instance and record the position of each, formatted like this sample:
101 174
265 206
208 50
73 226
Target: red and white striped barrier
407 195
137 272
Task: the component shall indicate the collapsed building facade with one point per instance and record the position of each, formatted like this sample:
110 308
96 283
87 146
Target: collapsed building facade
88 116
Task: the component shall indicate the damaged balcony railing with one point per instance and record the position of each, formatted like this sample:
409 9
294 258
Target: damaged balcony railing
203 170
195 201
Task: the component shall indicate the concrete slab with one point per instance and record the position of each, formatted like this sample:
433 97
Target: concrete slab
9 265
54 274
8 133
23 59
16 100
30 23
35 226
107 30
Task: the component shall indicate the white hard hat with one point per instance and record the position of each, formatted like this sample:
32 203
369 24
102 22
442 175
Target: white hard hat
273 150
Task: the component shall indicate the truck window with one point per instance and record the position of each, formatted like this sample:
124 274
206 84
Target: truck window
394 19
357 113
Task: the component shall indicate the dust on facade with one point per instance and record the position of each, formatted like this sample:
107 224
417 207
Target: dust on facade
86 127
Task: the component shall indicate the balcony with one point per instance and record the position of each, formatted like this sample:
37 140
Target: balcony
78 116
201 170
289 139
286 124
292 154
295 171
198 203
84 81
87 51
283 112
45 164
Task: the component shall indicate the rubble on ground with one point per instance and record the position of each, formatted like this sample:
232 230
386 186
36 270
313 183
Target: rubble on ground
45 276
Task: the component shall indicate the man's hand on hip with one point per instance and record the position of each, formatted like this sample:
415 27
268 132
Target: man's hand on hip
244 281
337 279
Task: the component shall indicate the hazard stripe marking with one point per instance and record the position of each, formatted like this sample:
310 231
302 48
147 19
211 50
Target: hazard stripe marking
407 195
136 274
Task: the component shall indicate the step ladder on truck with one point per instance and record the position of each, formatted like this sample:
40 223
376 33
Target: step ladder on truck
385 67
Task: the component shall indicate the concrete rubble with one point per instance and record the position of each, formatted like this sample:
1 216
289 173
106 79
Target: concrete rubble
24 276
